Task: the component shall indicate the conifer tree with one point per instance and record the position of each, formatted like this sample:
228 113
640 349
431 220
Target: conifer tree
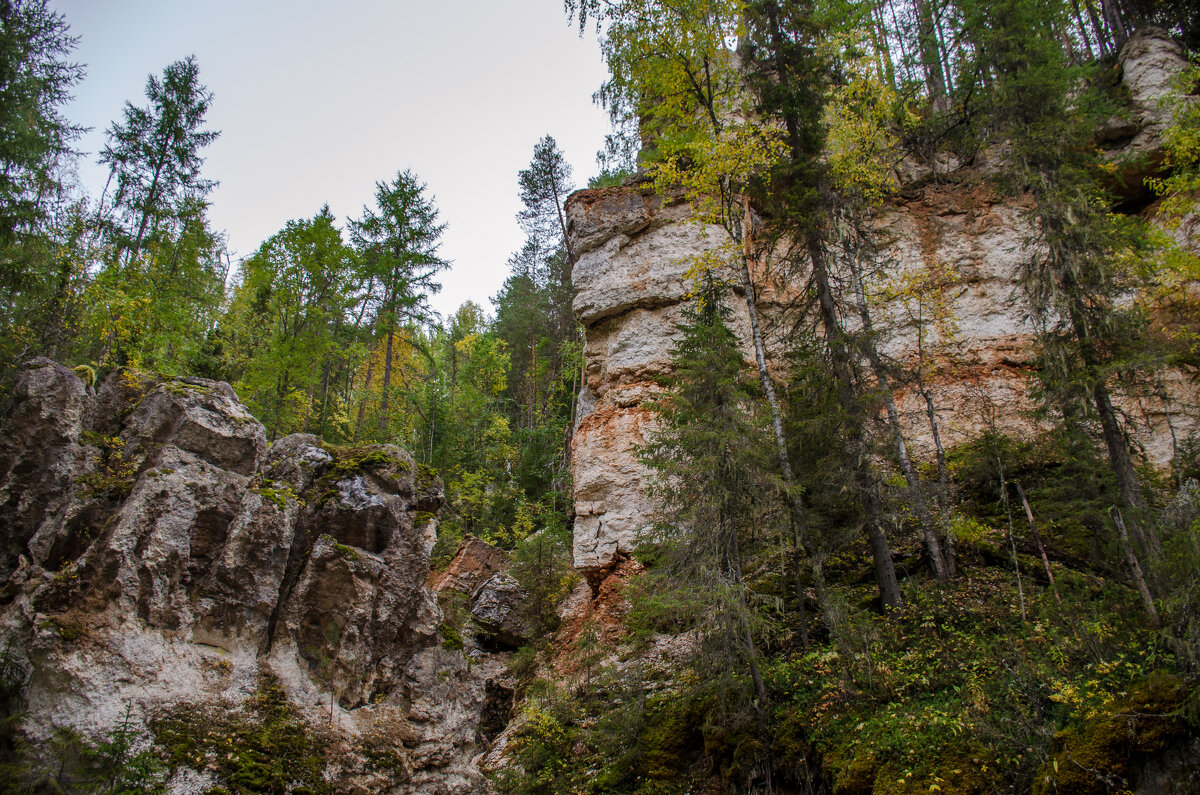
36 78
711 467
398 245
155 157
1080 261
535 319
790 79
40 228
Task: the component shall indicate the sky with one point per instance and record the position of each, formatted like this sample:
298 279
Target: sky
317 102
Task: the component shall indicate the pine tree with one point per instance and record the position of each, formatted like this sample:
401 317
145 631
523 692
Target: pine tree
545 186
163 276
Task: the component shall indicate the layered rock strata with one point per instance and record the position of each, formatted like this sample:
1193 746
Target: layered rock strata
945 225
159 556
634 250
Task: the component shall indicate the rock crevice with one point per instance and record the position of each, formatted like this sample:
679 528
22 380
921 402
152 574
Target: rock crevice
159 555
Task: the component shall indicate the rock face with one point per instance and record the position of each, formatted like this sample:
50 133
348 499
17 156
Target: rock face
159 556
474 561
494 608
634 249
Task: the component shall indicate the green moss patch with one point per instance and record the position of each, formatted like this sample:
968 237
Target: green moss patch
264 746
1102 753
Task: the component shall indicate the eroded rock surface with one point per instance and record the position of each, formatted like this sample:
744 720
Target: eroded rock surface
159 556
634 250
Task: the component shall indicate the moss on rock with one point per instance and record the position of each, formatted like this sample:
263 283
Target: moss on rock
1106 752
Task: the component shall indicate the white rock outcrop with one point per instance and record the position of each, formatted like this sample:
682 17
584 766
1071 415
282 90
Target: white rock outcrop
634 250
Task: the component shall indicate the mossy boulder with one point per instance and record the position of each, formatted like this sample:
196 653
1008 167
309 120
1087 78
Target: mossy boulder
1106 753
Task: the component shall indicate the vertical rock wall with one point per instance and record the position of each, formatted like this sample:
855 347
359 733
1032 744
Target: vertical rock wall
634 250
633 253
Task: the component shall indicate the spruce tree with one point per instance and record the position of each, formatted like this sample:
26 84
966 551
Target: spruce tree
712 468
790 78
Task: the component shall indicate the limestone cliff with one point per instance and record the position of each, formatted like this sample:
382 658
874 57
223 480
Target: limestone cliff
161 560
634 249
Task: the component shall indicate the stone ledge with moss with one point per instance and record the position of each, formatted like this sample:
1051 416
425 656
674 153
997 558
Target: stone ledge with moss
258 612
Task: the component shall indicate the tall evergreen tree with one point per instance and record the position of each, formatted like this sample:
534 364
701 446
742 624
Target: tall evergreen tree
162 280
545 186
790 78
1079 264
398 245
535 319
36 78
155 157
40 230
711 465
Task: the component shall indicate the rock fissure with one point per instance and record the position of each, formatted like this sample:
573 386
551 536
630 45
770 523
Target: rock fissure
160 556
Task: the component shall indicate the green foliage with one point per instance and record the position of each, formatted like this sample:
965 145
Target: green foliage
120 762
541 564
66 629
454 618
40 228
154 154
543 749
277 494
162 279
1065 478
286 332
264 746
609 178
960 682
113 470
35 48
1105 747
1181 139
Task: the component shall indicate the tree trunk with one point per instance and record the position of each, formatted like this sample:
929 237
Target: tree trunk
387 382
1127 482
881 553
931 61
735 562
916 491
1112 16
1011 538
1139 579
1037 539
362 404
137 243
943 478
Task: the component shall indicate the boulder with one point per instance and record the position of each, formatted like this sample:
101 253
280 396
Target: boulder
495 609
474 562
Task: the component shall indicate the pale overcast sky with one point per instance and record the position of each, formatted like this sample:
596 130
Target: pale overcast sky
317 101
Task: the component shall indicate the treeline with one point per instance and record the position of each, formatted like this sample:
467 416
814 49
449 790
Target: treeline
859 619
326 328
